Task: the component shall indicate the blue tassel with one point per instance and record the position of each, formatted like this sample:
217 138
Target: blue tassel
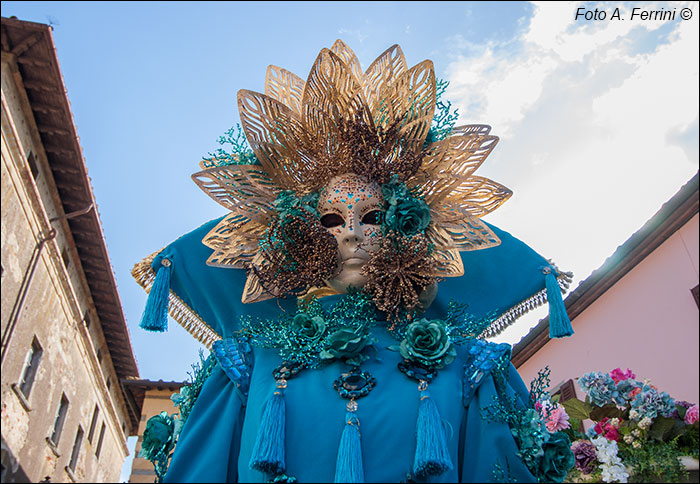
348 466
559 323
268 453
155 315
432 455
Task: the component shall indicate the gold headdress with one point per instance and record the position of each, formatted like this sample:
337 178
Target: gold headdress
339 121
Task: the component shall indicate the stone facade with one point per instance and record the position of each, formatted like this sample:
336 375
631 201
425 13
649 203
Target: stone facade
65 415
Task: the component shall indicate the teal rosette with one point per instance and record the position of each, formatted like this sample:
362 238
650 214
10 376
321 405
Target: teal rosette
427 343
408 217
557 458
404 214
346 344
308 329
159 437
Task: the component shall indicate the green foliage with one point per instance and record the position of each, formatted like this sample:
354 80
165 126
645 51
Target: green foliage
577 409
653 461
665 429
689 442
573 431
609 410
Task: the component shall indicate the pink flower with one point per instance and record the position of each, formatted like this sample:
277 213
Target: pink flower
691 415
634 392
600 425
612 434
618 375
558 420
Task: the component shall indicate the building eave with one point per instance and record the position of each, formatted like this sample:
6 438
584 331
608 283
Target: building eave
34 51
671 216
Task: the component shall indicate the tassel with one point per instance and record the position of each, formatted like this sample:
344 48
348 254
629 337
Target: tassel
268 453
155 314
432 455
348 466
559 323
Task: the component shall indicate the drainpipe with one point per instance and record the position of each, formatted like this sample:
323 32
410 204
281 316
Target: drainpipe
27 279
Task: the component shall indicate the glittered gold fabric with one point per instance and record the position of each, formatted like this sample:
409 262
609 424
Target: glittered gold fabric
398 272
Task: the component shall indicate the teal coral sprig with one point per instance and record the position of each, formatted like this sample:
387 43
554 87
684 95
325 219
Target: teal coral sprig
239 153
314 335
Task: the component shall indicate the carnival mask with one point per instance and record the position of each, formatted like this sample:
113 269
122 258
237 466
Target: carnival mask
351 207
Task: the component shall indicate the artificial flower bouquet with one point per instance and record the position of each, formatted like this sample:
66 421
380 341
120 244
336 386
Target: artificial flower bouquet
639 432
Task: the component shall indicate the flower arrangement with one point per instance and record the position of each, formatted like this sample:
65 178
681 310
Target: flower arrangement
639 433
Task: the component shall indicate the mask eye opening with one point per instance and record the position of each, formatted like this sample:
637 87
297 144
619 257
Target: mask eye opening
373 217
331 220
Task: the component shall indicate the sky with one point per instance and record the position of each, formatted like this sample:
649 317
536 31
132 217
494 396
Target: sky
597 119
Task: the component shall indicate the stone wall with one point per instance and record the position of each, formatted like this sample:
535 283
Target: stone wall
50 311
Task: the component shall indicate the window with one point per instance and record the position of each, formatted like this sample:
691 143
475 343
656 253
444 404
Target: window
30 366
86 318
32 165
109 383
76 448
696 294
567 391
64 256
60 420
124 428
100 440
99 355
93 423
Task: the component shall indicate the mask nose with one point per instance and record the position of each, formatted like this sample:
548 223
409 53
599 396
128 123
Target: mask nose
353 232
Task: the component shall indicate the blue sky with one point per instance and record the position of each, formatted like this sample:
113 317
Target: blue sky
598 120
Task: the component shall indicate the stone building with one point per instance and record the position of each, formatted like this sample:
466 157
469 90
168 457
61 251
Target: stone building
65 343
153 397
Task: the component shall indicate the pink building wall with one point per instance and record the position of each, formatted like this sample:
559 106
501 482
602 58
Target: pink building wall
647 321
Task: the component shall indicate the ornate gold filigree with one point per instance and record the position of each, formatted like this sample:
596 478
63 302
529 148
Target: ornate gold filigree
342 120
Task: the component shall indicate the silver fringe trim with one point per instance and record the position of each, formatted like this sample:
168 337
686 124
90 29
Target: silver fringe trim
506 319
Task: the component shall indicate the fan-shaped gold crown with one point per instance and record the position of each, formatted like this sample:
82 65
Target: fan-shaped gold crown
342 120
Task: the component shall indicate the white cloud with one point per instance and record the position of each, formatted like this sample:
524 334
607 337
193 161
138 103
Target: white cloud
598 124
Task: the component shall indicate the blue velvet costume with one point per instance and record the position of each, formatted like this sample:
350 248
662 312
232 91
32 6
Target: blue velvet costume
216 442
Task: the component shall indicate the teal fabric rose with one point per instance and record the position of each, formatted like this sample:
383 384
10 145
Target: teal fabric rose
426 342
393 191
308 329
159 436
557 459
346 344
408 217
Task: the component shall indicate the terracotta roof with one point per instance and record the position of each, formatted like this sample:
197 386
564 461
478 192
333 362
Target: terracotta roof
136 389
33 48
671 216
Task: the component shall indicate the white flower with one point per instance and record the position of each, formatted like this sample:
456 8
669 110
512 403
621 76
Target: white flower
634 414
615 422
606 450
636 444
645 423
636 432
628 439
614 473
